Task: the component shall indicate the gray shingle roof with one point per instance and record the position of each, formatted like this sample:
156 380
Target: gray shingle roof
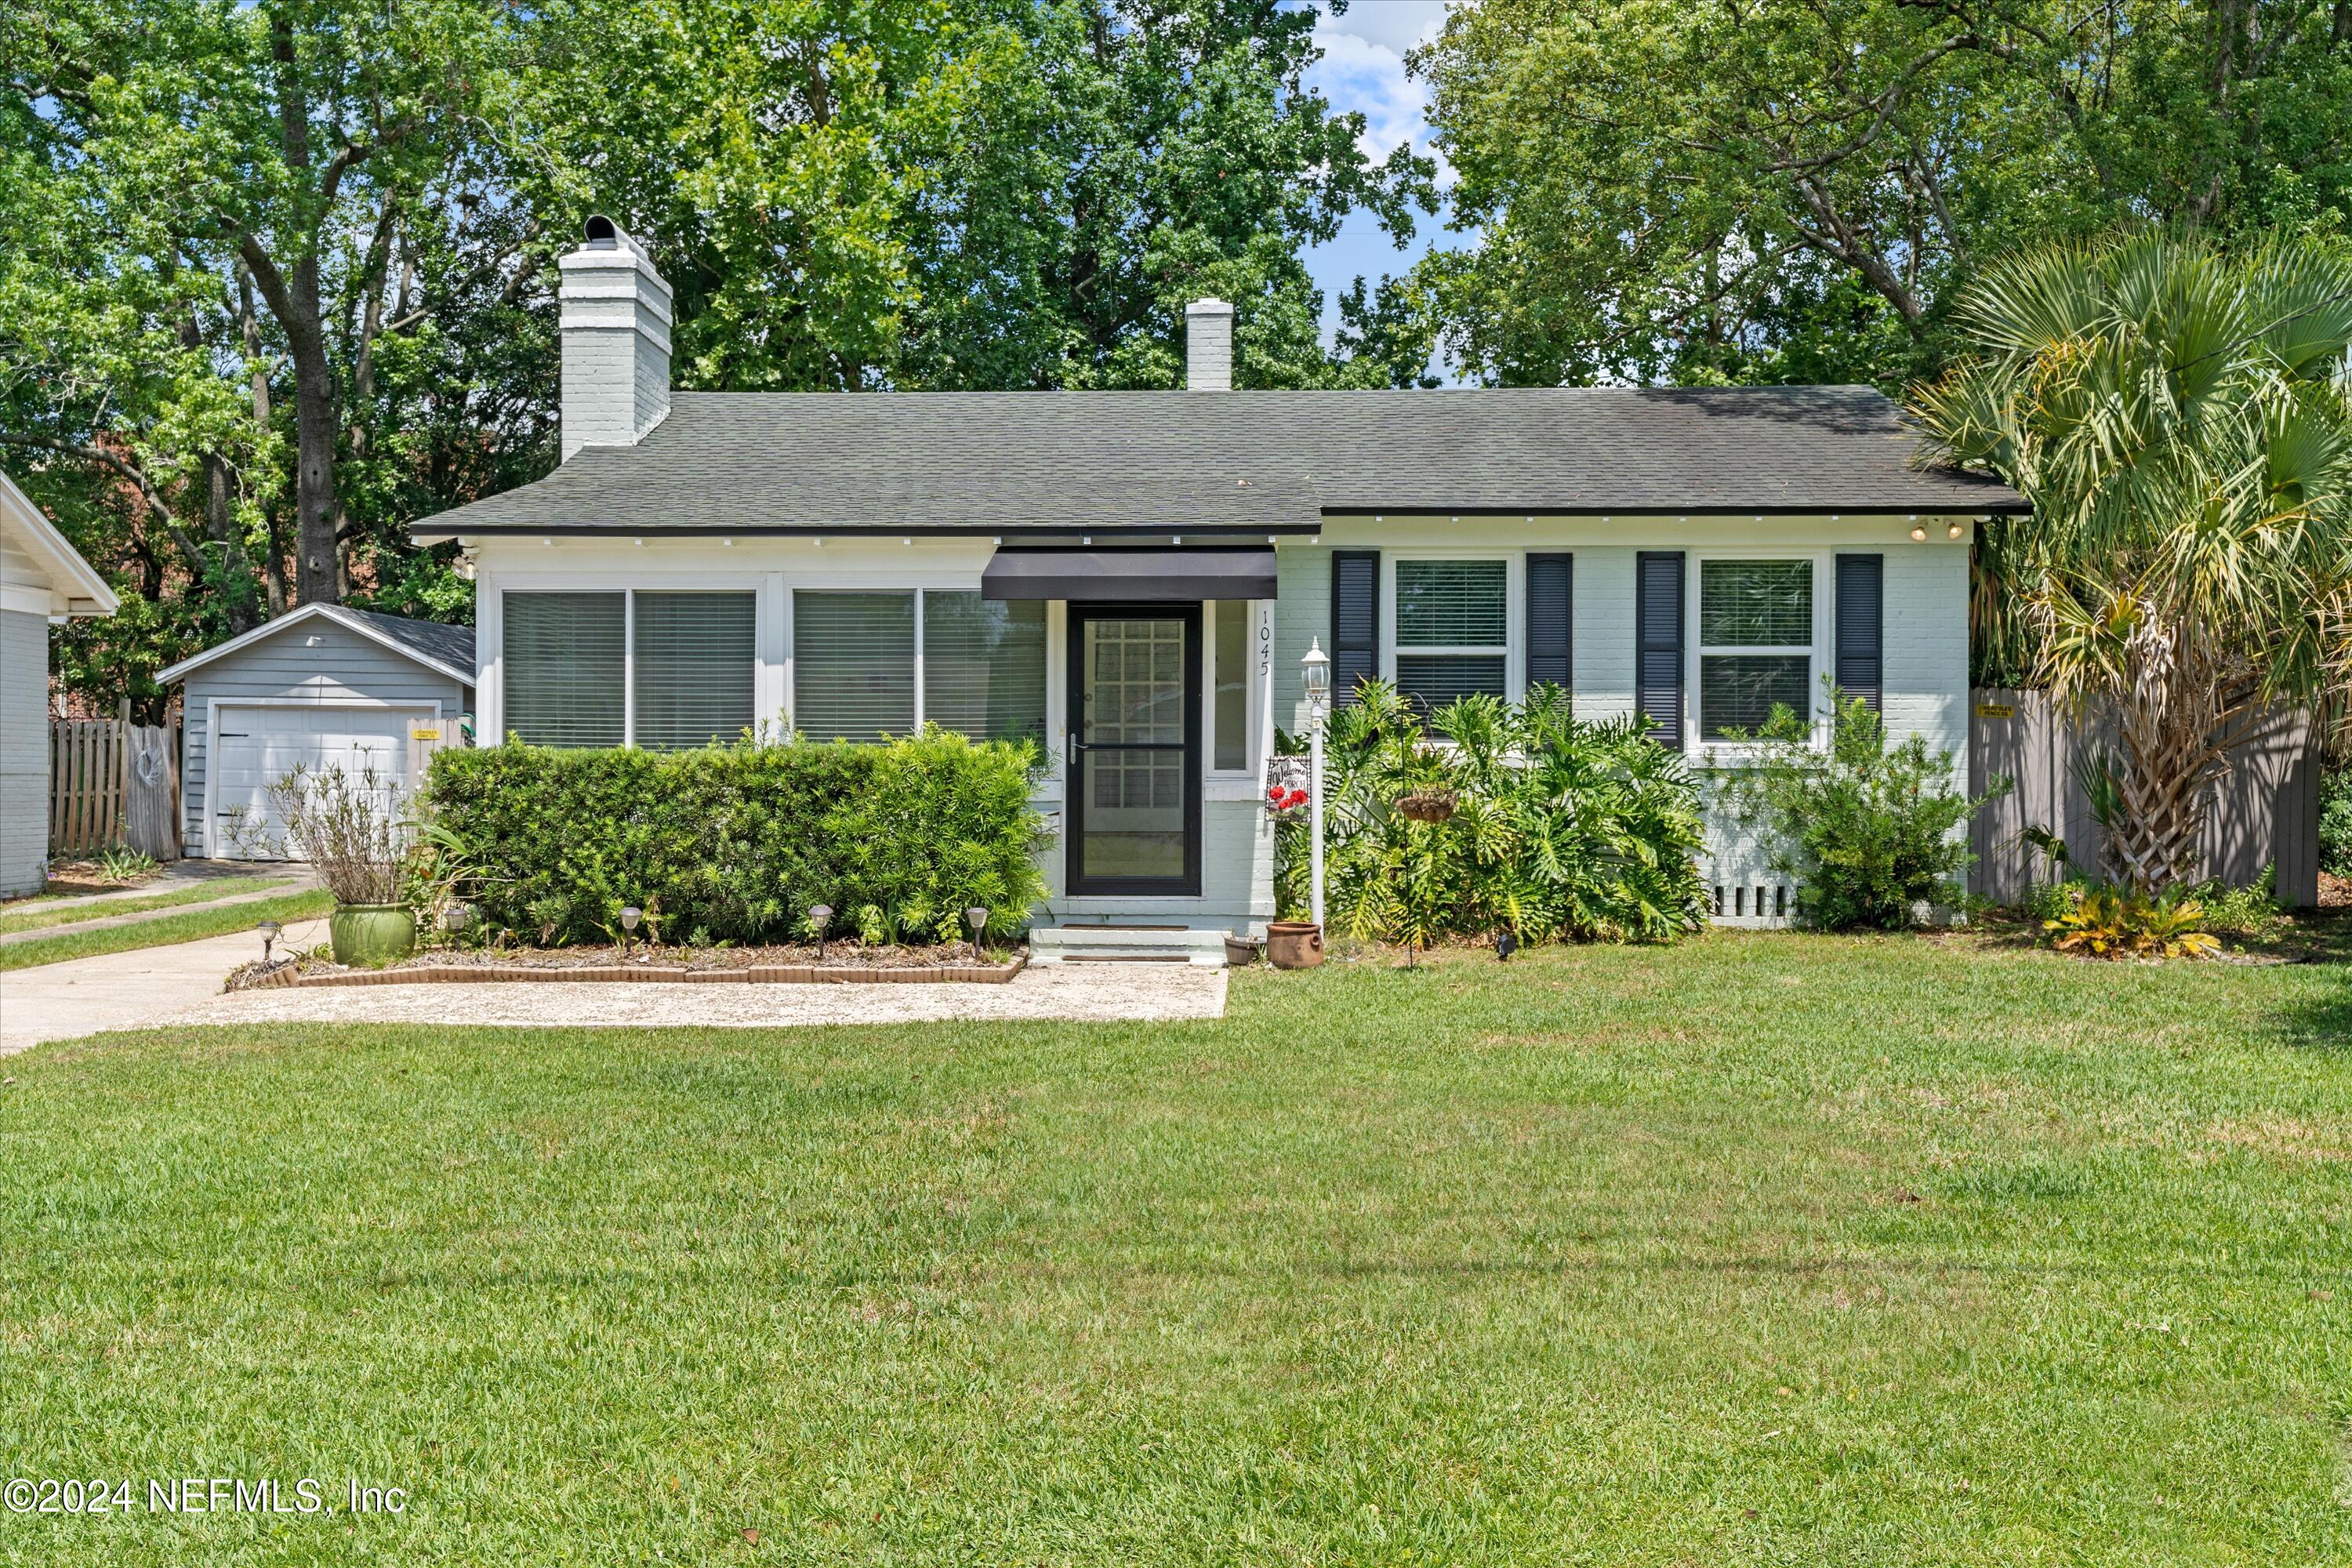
991 461
453 645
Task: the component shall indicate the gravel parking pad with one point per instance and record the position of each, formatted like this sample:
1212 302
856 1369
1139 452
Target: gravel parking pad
1139 992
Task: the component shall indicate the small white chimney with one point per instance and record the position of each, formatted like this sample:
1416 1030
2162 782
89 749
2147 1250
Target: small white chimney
1207 346
616 317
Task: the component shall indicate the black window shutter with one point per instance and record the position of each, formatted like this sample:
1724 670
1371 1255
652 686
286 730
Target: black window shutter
1355 620
1550 580
1658 643
1861 622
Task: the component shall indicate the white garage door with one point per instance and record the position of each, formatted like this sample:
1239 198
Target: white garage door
253 748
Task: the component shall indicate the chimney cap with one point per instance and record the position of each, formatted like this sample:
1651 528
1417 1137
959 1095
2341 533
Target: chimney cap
602 232
1210 307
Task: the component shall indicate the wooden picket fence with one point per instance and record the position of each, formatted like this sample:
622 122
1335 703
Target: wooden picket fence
113 783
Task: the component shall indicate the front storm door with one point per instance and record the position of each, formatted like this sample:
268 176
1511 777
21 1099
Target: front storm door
1135 749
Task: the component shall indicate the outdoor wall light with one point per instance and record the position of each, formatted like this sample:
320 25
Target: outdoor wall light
271 930
1954 530
1918 533
819 917
976 918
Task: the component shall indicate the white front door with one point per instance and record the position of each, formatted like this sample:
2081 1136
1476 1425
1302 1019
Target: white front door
254 747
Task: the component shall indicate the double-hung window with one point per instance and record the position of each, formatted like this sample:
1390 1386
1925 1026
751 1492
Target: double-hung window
869 663
1453 629
663 670
1756 643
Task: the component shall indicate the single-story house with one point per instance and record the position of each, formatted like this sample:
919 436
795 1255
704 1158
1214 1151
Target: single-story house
43 580
321 686
1133 577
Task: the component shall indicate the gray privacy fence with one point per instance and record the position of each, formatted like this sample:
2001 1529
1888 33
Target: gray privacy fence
2264 812
112 781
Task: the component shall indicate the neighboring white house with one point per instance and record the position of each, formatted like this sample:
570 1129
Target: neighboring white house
1132 577
320 687
43 578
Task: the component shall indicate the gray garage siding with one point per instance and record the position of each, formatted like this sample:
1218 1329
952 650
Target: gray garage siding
316 661
24 752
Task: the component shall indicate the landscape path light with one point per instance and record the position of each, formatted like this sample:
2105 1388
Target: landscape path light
819 917
271 930
630 916
976 918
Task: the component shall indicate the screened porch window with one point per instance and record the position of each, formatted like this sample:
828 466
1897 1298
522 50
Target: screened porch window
857 656
567 661
1452 630
1755 643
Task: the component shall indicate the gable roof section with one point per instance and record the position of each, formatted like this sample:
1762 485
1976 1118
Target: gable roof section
75 588
443 649
1235 462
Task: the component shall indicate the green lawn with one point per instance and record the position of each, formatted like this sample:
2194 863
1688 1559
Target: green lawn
1770 1249
45 912
190 927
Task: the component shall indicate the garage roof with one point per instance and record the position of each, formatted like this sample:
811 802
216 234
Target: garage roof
444 649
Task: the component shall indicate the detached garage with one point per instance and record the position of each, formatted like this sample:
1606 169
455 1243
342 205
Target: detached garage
321 686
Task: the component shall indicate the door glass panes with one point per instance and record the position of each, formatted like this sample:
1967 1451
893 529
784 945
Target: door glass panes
1131 754
853 665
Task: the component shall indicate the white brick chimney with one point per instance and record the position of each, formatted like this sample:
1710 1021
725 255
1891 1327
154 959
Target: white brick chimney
615 341
1207 346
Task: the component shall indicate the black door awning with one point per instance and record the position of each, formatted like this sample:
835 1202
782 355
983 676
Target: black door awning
1149 576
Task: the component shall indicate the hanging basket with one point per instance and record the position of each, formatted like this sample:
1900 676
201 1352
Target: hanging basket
1427 806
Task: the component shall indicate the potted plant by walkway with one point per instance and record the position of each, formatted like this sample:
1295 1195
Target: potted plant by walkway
350 831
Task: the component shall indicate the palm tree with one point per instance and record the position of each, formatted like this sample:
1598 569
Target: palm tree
2181 419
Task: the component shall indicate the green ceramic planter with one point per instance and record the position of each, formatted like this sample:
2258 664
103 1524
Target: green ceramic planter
372 935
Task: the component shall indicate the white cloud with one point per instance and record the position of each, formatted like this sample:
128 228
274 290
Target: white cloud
1362 69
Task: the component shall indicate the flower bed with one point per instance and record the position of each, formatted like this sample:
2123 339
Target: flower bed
841 962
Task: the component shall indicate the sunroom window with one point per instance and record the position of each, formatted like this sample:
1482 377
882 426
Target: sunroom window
1755 643
567 663
1453 629
856 657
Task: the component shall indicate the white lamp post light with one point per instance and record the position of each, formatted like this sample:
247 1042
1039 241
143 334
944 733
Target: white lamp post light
1316 672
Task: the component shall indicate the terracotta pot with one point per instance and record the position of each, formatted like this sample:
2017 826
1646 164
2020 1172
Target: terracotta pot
372 935
1427 806
1241 951
1294 944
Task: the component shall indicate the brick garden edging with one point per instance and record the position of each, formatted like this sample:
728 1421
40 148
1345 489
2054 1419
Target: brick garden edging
620 973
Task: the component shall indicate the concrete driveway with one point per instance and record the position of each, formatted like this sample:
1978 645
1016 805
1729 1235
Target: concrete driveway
127 990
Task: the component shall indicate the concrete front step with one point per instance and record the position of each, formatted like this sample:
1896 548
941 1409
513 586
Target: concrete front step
1108 945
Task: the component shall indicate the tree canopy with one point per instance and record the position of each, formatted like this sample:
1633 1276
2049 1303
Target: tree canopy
1797 190
276 279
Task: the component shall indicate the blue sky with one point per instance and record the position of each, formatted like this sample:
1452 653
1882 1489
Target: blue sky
1362 69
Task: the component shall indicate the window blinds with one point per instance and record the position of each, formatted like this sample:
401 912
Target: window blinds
853 665
696 658
984 666
564 660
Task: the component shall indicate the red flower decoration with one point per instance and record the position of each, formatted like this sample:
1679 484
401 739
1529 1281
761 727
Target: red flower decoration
1274 794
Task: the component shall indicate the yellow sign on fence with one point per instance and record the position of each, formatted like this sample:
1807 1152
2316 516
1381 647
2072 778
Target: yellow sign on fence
1996 710
425 732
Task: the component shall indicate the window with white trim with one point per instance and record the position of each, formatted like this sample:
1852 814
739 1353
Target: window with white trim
871 663
1453 629
659 670
1229 672
1756 643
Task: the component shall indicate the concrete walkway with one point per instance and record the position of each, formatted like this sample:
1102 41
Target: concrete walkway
100 921
127 990
180 986
179 873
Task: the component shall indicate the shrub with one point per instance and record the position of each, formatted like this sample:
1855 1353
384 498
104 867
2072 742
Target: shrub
1864 830
2119 923
351 830
735 843
2242 912
1560 828
2336 823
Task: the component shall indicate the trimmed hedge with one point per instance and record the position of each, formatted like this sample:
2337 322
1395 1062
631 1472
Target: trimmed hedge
735 843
